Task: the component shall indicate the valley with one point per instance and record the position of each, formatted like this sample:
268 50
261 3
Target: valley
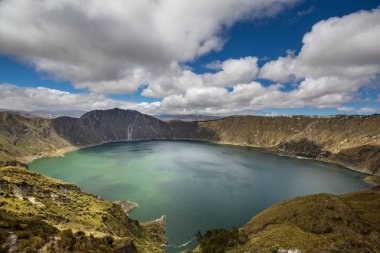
350 141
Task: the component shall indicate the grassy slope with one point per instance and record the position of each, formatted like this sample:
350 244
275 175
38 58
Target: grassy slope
352 141
316 223
21 137
335 133
30 196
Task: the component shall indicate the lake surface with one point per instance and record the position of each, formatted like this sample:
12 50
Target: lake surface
198 186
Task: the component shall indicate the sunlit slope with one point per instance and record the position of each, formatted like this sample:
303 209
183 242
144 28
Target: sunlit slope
33 208
311 224
353 141
21 137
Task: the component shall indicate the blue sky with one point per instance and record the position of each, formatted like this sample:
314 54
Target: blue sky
265 38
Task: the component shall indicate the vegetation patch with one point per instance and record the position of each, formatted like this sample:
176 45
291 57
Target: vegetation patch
220 240
37 211
315 223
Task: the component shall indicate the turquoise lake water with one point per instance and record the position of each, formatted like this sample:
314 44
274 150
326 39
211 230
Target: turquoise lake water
198 186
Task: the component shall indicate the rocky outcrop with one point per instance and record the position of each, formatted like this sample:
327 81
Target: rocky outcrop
366 157
127 206
303 148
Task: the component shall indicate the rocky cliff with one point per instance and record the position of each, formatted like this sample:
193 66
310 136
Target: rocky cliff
352 141
111 125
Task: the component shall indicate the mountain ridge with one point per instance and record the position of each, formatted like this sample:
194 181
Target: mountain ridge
35 201
351 141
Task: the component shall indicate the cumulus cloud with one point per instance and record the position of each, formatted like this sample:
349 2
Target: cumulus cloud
345 47
231 72
345 109
249 98
339 56
40 98
242 99
147 43
115 46
367 110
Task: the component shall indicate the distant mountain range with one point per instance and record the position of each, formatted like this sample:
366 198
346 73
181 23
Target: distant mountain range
48 114
187 117
78 113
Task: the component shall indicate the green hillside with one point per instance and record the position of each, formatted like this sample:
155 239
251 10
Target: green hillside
23 138
35 208
315 223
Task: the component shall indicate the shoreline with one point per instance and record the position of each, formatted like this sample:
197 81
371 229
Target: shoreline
62 151
268 150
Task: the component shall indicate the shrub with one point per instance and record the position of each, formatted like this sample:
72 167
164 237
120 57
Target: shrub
218 240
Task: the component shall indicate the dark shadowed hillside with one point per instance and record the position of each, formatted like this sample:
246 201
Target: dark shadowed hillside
112 125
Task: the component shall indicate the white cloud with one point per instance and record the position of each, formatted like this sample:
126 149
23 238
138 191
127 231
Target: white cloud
150 42
30 99
243 99
215 65
345 109
280 70
345 47
196 98
367 110
252 97
115 46
339 56
231 72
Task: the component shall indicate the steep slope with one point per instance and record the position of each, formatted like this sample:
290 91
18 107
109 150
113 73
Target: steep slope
34 209
22 136
316 223
352 141
111 125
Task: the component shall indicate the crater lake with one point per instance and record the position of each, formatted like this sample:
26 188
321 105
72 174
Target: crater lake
196 185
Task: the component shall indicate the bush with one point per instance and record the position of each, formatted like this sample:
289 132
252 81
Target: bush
219 240
274 249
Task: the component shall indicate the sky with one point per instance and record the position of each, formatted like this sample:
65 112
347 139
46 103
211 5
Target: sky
215 57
